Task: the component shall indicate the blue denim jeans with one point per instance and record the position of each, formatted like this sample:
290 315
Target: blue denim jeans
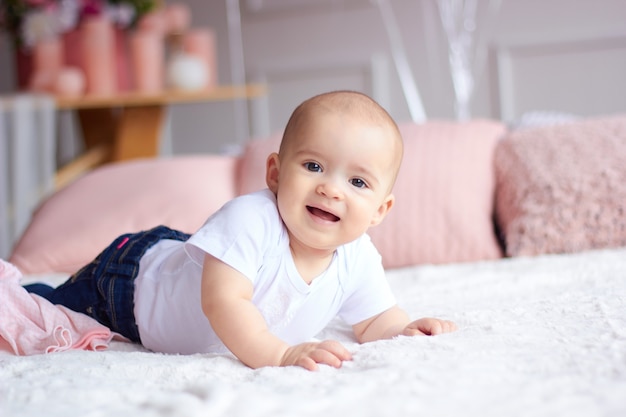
104 289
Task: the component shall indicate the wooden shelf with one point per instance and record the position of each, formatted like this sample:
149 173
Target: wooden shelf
130 99
128 125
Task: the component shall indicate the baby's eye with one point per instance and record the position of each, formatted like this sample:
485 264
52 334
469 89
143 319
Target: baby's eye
358 182
313 166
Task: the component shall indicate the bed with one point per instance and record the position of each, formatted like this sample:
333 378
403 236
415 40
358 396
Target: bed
541 336
540 300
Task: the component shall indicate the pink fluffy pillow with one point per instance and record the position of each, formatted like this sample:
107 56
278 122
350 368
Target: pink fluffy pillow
72 226
444 193
563 188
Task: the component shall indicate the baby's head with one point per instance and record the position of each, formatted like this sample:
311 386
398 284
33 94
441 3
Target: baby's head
358 107
335 169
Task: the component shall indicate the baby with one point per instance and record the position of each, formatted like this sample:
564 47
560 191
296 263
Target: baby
270 269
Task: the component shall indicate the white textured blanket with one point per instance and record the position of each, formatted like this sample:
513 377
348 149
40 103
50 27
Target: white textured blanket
541 336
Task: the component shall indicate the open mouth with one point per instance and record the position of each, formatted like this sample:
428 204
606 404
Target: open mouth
324 215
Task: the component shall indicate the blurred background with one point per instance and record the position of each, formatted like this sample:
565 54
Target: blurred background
432 59
144 78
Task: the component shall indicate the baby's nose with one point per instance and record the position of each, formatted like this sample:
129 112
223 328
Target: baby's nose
329 189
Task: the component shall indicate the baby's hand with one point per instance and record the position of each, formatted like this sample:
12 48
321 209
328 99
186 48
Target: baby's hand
429 326
308 355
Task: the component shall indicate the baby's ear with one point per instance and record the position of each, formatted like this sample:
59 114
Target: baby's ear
382 211
271 172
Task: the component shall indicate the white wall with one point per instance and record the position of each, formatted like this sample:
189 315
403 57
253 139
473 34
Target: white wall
561 42
553 55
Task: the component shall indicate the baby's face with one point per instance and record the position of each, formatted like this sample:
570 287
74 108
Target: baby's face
335 180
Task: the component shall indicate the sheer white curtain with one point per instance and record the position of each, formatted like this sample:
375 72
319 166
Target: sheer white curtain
467 50
400 59
27 161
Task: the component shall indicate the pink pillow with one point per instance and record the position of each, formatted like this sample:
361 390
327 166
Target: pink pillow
251 174
444 193
562 188
444 196
72 226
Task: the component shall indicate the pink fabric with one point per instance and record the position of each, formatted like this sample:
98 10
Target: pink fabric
444 196
562 188
251 173
30 324
76 223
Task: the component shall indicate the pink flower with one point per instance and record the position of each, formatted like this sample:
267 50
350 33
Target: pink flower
92 7
30 21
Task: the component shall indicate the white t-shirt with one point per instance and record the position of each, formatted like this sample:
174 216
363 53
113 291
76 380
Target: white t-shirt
249 235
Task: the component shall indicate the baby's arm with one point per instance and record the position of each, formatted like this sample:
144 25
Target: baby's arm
226 301
394 322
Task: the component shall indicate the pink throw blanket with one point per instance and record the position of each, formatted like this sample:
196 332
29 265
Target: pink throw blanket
30 324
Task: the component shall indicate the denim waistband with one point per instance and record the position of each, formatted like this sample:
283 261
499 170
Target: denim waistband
112 273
